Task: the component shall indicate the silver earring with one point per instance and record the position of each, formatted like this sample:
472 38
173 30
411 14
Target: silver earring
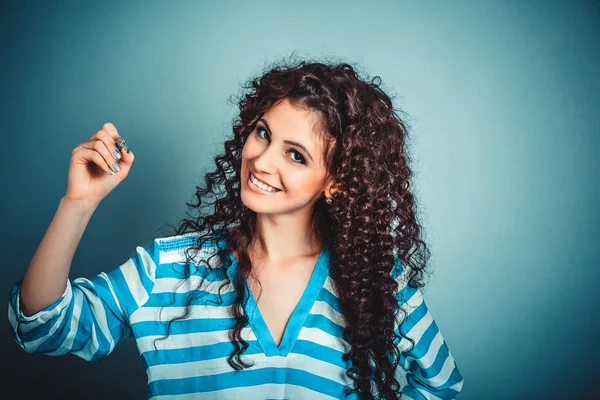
329 200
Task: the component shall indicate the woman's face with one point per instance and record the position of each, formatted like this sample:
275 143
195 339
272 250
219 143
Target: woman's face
297 173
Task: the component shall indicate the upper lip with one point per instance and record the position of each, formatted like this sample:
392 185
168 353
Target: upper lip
266 183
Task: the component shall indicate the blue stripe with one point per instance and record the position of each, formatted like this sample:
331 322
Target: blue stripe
398 267
57 338
202 297
208 352
405 294
324 324
422 346
328 297
177 271
322 353
413 318
246 378
437 365
454 377
88 316
149 328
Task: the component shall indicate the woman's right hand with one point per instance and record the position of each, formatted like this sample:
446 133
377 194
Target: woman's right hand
89 176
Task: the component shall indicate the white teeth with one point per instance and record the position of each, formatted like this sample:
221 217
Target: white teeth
261 185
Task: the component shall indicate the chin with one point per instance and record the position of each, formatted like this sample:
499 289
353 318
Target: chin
259 203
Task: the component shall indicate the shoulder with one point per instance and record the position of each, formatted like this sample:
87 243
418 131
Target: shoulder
398 272
174 249
401 274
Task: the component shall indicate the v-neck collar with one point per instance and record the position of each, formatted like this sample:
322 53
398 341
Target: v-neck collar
296 321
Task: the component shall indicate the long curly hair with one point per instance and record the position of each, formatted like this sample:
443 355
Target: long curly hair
371 222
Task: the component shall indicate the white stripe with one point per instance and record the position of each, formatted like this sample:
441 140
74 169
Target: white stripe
89 350
400 375
265 391
314 366
187 340
67 344
12 319
415 301
170 285
220 365
134 282
429 357
417 331
329 286
167 313
97 308
323 308
198 256
441 378
458 385
112 292
402 279
149 265
323 338
92 345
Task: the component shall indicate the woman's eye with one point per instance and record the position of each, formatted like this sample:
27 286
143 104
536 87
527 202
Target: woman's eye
301 160
260 129
298 161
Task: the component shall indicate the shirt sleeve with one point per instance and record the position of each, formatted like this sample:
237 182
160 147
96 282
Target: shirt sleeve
92 315
428 369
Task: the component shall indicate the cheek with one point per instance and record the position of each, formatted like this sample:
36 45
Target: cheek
250 149
302 183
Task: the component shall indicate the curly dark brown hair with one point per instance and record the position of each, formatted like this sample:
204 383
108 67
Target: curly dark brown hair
370 225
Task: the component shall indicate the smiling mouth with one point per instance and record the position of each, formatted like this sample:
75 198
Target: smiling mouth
270 189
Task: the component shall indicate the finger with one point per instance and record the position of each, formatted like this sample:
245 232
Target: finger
111 145
110 128
100 147
91 154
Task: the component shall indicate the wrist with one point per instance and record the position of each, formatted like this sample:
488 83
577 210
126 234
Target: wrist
84 206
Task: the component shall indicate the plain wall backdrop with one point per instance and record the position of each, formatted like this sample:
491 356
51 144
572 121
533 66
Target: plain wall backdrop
504 105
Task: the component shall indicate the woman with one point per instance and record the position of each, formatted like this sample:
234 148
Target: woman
304 280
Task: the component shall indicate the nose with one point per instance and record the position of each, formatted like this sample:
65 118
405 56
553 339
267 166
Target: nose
266 162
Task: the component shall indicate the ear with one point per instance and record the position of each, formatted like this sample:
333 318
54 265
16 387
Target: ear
330 188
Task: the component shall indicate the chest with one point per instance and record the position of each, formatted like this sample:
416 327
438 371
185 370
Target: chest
279 292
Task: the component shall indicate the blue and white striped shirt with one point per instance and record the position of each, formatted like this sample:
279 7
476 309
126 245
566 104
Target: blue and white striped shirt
94 315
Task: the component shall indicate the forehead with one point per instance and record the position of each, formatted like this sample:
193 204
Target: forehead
290 122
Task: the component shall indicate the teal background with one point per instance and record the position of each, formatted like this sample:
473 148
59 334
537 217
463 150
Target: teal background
503 98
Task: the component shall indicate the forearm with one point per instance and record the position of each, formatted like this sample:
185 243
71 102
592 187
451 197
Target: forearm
46 277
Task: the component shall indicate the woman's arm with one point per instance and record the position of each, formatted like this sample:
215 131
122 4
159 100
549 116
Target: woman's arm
428 368
92 315
46 277
431 371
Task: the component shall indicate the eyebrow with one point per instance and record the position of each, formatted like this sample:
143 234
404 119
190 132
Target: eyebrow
288 141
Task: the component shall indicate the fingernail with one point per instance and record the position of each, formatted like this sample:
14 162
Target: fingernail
127 149
116 166
120 143
117 154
